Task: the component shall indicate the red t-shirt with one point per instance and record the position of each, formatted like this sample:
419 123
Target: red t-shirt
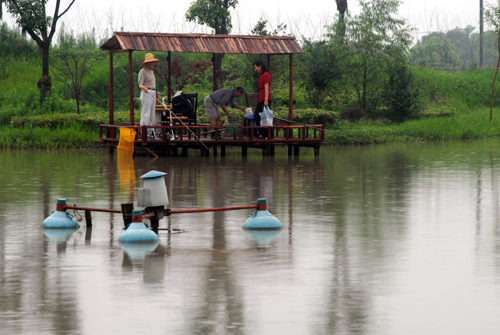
264 79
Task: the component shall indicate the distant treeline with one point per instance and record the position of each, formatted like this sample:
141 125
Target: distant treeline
456 49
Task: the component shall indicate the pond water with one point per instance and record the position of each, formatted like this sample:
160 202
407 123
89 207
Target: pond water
389 239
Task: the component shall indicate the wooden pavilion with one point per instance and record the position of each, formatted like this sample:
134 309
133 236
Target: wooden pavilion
211 44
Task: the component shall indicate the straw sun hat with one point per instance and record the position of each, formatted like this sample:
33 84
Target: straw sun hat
149 59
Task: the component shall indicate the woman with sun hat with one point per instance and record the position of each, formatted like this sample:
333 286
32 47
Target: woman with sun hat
147 84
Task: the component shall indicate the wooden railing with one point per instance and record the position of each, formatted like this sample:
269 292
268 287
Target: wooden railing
205 132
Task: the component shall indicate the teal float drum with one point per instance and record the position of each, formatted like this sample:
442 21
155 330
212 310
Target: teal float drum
262 218
137 232
60 218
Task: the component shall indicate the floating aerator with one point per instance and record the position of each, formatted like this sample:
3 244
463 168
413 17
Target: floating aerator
262 218
137 232
60 218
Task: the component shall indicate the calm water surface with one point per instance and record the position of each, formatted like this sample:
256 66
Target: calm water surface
396 239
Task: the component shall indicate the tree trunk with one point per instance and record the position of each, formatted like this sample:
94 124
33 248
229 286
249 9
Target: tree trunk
218 70
318 100
341 7
45 83
78 106
363 103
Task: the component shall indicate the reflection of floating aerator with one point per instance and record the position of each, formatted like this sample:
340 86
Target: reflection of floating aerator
262 218
60 218
137 232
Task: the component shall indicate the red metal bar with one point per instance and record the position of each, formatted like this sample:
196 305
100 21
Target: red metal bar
217 209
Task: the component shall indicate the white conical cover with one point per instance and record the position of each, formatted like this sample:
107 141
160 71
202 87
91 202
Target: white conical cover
154 191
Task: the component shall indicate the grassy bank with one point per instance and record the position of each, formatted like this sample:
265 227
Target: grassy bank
472 124
448 123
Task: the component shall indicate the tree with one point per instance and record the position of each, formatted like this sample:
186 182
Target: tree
1 10
401 94
342 8
183 72
214 14
437 52
260 29
373 38
492 16
31 17
72 67
322 68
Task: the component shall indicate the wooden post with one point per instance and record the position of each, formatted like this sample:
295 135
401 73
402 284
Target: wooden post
88 235
316 150
111 100
272 149
223 151
296 150
265 150
131 88
290 97
290 150
127 209
184 151
169 80
214 74
155 223
88 218
244 150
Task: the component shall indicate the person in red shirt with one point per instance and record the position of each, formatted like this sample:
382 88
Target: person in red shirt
264 97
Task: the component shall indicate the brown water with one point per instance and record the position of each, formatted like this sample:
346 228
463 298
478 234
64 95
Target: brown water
396 239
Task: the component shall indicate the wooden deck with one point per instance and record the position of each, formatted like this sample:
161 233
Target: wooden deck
208 139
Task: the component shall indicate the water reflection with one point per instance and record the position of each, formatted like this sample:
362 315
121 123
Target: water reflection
376 240
262 238
59 236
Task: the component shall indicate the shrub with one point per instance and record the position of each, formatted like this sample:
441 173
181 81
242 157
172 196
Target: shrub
401 94
352 114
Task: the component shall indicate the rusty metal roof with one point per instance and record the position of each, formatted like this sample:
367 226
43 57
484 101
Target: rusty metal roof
203 43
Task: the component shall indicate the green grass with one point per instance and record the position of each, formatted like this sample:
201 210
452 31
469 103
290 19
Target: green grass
45 138
473 124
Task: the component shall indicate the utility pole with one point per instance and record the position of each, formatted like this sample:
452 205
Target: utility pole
481 30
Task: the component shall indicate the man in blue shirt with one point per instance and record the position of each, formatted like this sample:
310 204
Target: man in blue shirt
223 97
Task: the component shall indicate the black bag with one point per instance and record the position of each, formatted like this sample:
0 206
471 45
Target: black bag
183 106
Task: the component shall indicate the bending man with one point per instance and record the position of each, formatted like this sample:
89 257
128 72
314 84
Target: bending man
223 97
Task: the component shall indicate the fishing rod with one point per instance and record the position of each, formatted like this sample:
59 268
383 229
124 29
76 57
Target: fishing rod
317 128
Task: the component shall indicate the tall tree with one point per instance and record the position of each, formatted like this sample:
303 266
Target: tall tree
323 68
1 10
32 18
214 14
342 8
374 37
